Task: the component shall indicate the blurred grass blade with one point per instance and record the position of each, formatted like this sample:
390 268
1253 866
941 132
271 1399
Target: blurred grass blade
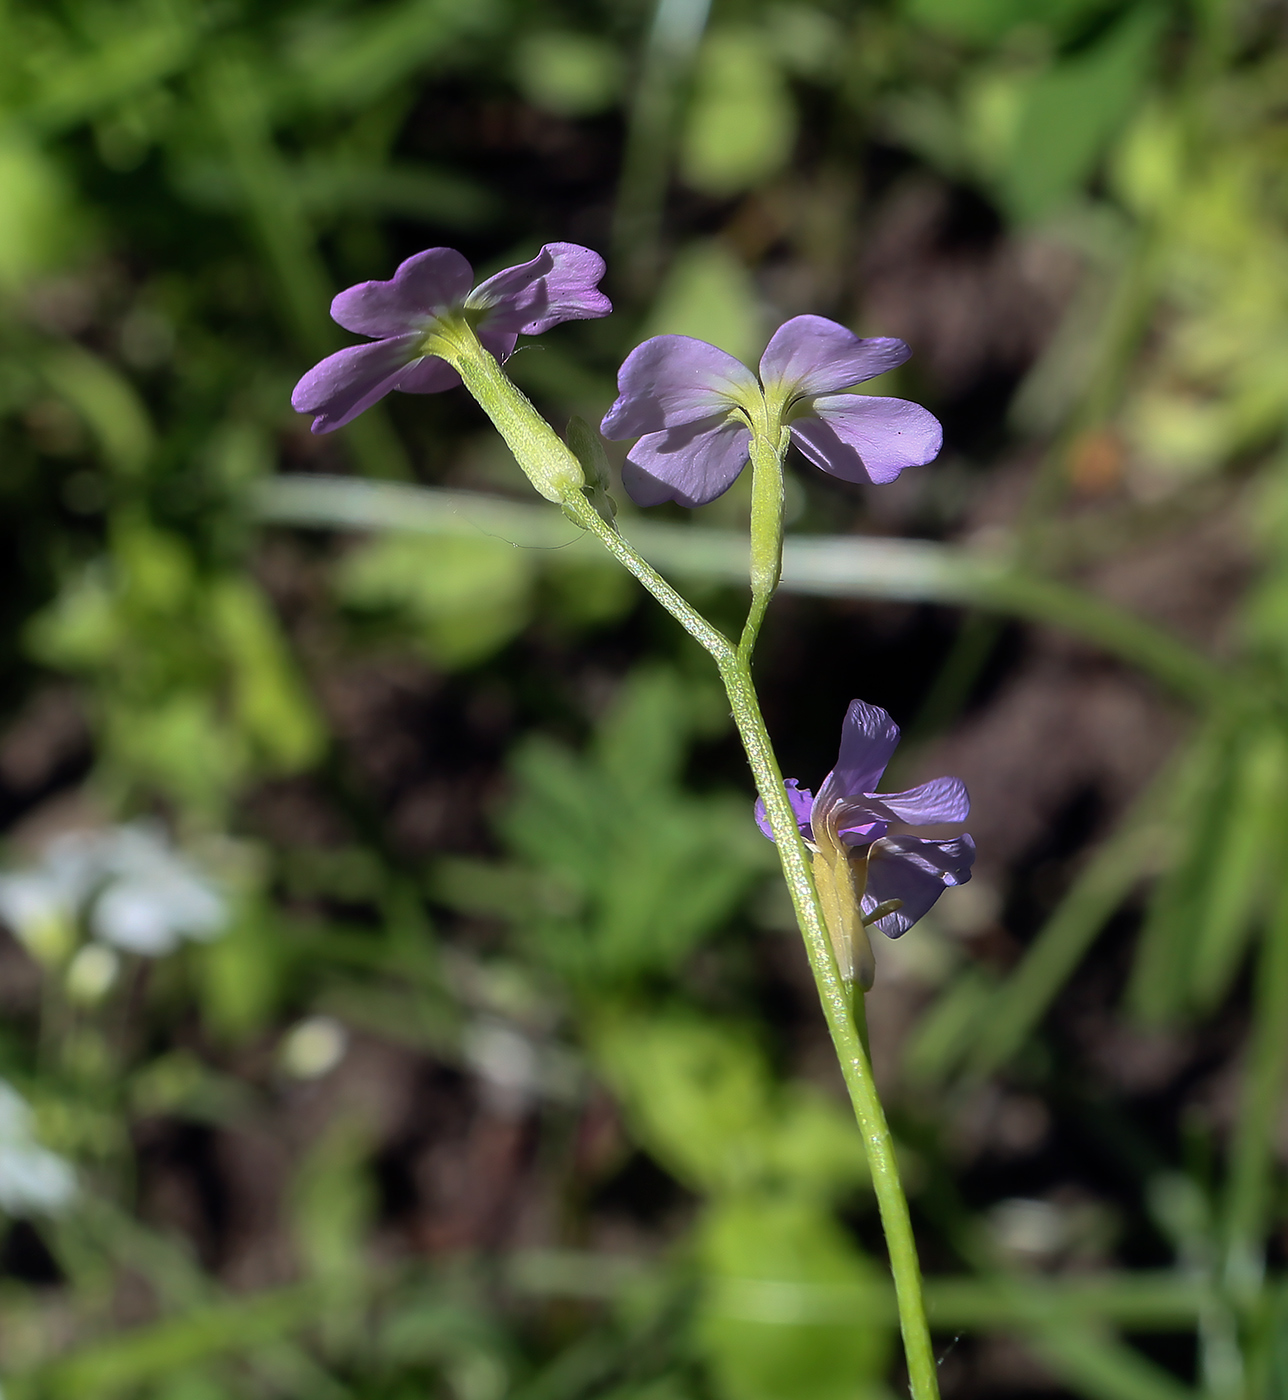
153 42
1020 1003
1261 1105
1135 847
1139 1301
108 403
130 1359
1160 979
945 1033
1073 110
1103 1368
669 55
234 97
1237 864
351 64
848 566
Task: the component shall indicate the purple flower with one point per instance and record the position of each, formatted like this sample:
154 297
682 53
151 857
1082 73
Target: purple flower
848 825
559 284
693 408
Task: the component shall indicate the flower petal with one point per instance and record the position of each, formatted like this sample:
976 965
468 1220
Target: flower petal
424 285
428 375
497 343
691 464
940 800
671 380
869 738
342 385
559 284
858 825
917 872
802 799
817 356
862 438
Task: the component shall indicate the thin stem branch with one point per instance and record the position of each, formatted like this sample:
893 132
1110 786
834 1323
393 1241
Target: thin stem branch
578 508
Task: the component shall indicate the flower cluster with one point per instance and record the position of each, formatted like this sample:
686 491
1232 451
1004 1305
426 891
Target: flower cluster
889 881
692 407
698 415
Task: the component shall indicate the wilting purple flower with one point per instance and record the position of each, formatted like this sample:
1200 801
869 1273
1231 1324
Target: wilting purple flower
850 819
559 284
692 407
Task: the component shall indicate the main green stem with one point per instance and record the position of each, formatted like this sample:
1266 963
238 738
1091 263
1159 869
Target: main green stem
557 475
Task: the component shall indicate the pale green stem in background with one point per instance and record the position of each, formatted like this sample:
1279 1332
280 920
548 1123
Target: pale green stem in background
669 54
557 475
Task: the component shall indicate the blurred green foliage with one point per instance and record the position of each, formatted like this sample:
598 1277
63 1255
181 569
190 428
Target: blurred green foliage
185 185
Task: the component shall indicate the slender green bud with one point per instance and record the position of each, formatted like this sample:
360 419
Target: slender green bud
546 461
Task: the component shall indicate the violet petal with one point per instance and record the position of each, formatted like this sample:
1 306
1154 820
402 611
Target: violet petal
818 356
423 286
351 380
671 380
917 872
559 284
428 375
802 800
861 438
862 833
940 800
691 464
498 343
869 738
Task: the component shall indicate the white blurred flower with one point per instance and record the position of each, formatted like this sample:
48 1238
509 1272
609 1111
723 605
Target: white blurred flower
140 894
153 898
39 915
507 1063
1027 1229
91 974
33 1180
41 905
313 1047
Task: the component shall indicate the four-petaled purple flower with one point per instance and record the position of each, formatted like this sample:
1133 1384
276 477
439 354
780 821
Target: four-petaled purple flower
865 876
694 407
559 284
